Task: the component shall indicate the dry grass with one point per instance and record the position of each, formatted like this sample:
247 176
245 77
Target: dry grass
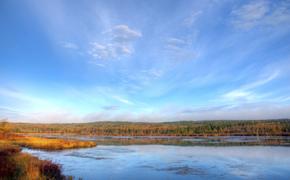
47 143
52 144
17 165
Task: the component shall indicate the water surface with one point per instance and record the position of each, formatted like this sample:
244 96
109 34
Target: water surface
173 162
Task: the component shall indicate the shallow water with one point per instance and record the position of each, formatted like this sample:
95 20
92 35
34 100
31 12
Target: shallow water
173 162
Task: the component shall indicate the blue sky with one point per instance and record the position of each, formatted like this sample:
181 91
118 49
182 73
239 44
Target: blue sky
79 61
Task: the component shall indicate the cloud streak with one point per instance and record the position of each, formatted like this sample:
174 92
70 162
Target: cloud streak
189 21
17 95
120 43
69 45
260 13
122 100
246 92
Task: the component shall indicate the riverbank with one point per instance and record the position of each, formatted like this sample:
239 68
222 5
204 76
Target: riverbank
15 164
49 144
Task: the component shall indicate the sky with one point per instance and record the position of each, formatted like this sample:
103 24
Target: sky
146 60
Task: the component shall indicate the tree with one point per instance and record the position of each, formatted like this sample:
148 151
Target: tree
4 127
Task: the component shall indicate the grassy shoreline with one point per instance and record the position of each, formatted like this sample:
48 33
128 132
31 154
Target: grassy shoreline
49 144
15 164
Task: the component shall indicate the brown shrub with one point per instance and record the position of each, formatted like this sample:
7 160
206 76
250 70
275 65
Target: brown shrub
9 150
7 167
51 171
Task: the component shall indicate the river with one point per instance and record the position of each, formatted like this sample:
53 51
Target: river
172 162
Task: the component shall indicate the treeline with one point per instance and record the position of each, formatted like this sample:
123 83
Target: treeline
183 128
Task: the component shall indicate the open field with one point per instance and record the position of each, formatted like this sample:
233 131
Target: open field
183 128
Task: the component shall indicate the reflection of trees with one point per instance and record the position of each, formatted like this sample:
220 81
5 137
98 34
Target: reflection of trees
205 141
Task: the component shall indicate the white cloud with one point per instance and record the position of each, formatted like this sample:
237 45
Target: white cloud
102 51
221 112
52 117
122 100
249 15
10 113
150 74
260 13
175 44
20 96
109 51
246 92
237 112
281 99
189 21
109 113
97 64
120 43
138 81
179 49
123 34
237 95
264 80
69 45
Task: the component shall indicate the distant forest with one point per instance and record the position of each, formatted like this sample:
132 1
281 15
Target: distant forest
183 128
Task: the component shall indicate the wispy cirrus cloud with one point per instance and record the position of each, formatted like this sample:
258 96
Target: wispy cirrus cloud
236 112
20 96
263 80
192 18
175 43
69 45
225 112
260 13
122 100
108 51
120 43
180 49
246 92
134 83
123 34
10 113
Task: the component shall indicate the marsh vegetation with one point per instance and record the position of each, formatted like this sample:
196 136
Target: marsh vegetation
46 140
15 164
